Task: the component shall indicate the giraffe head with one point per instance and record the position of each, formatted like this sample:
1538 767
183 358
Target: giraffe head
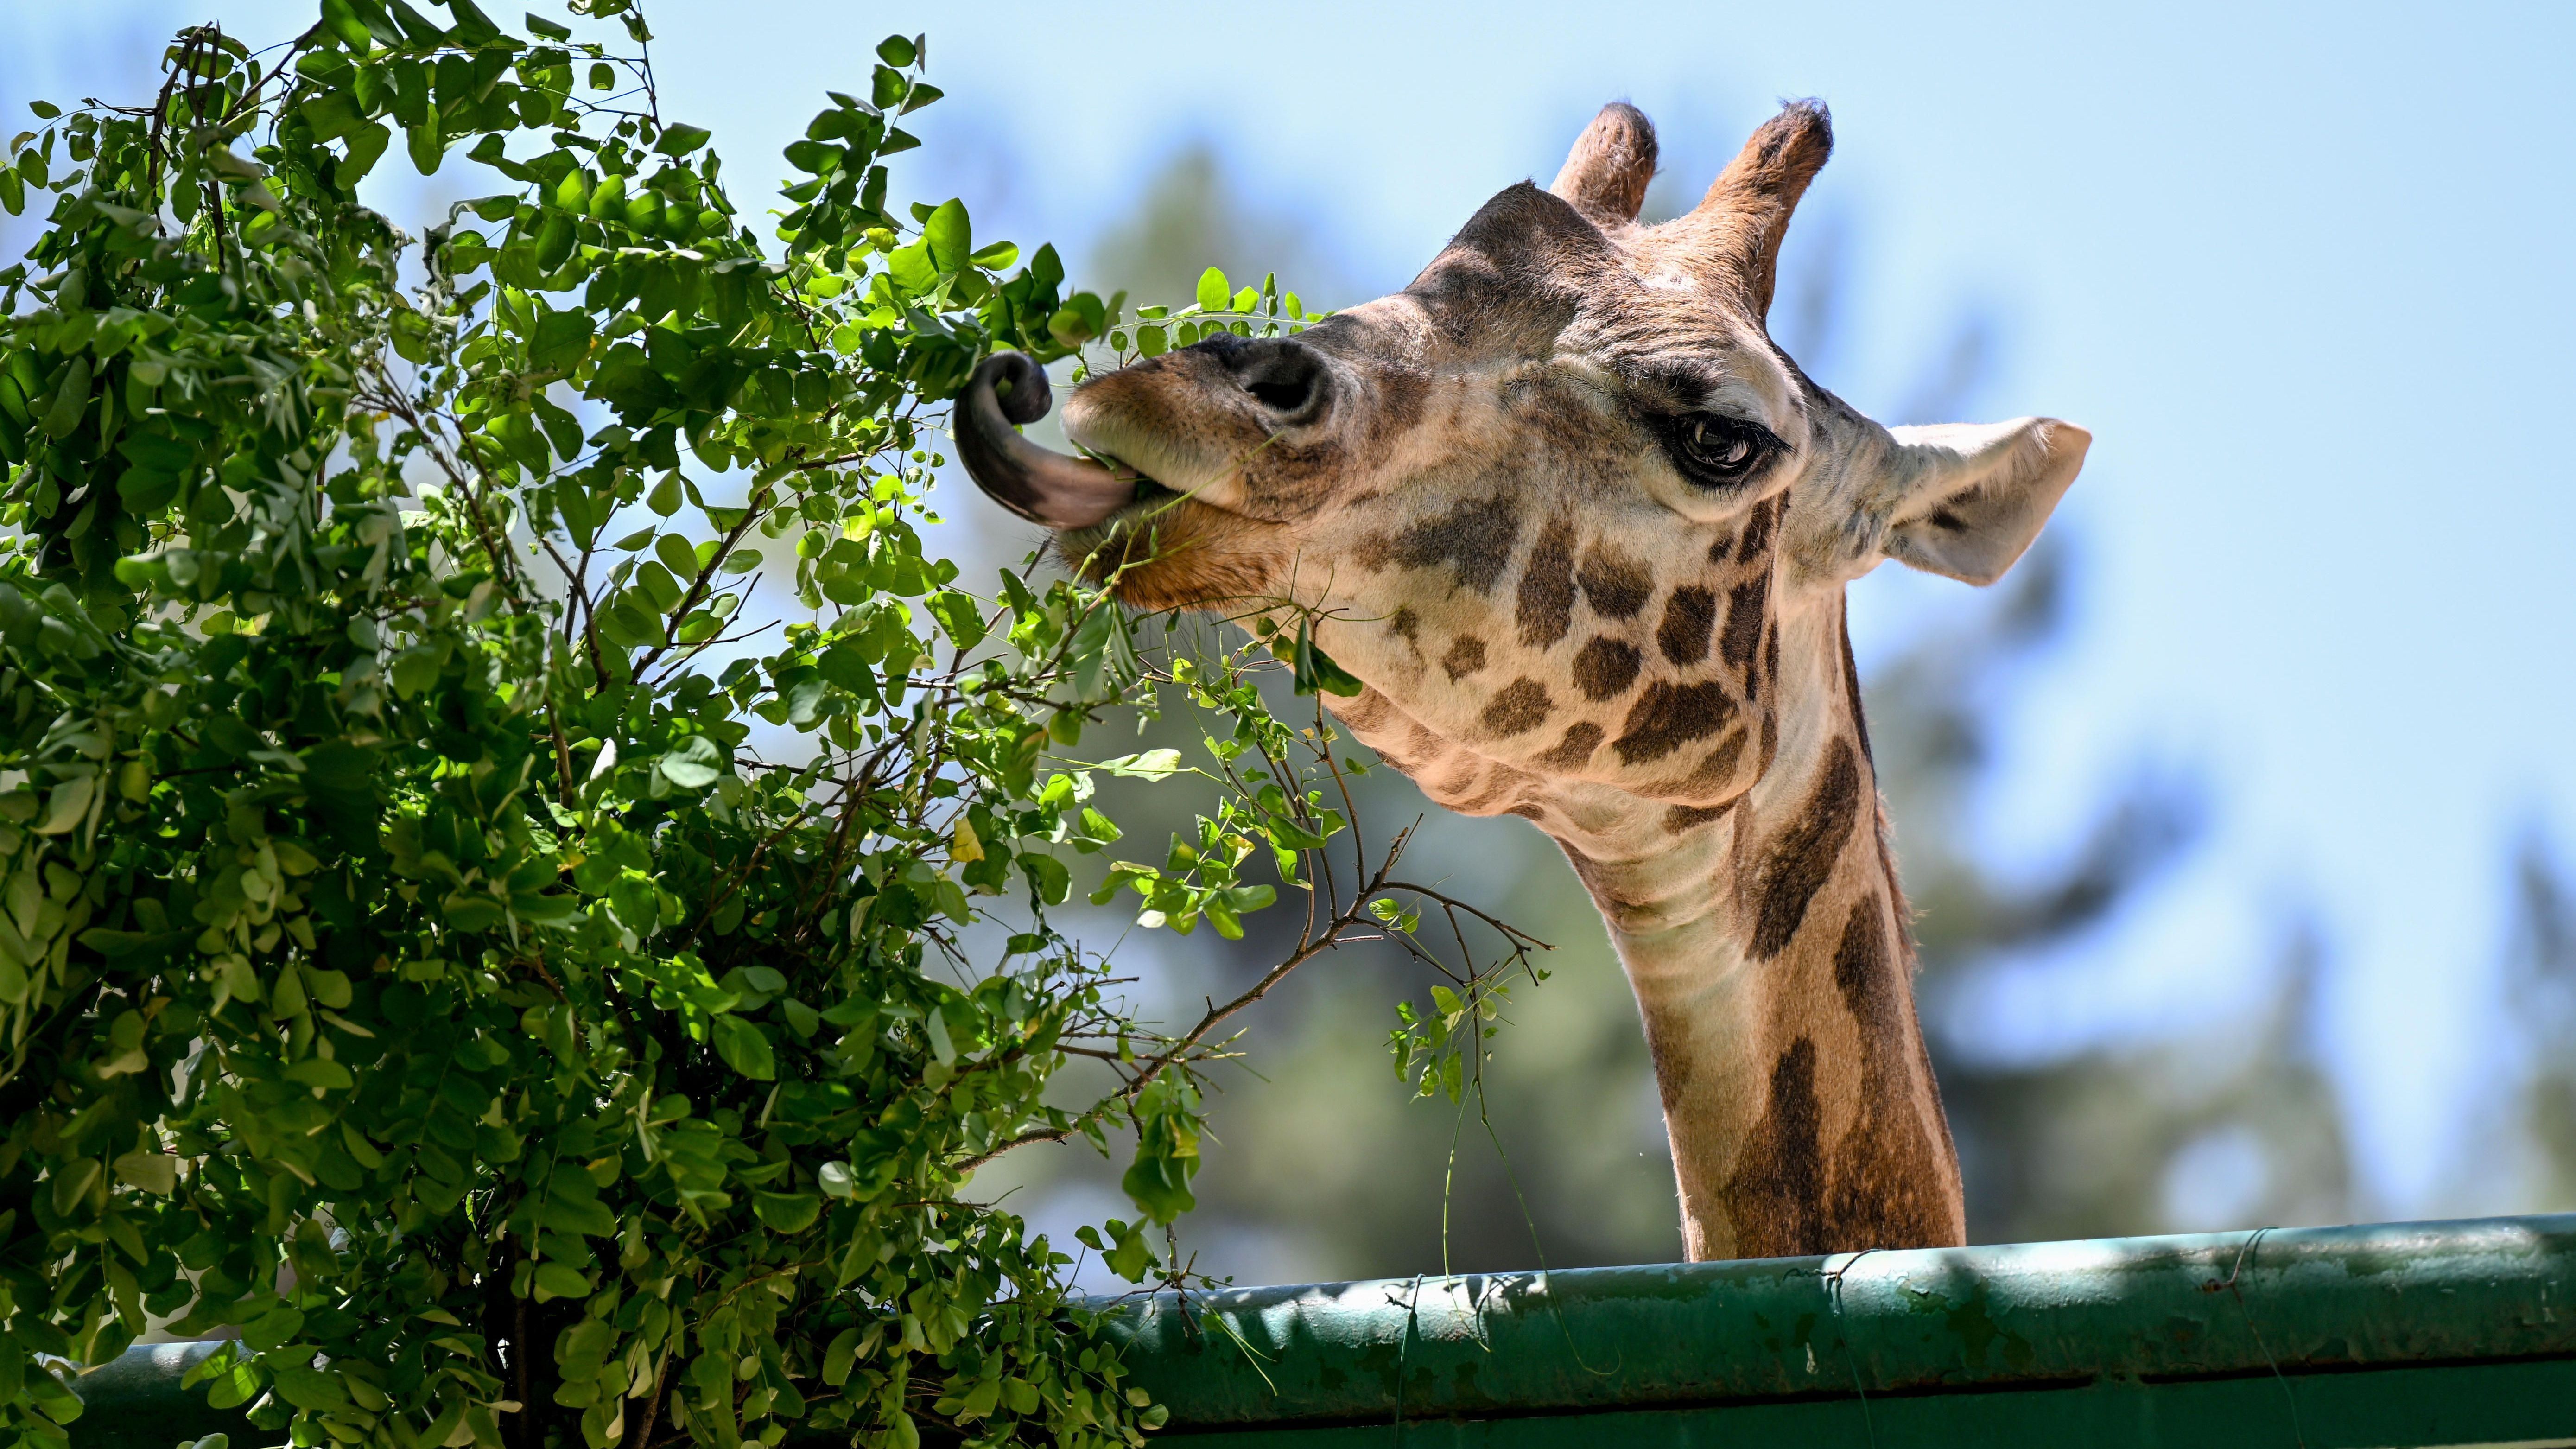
1547 502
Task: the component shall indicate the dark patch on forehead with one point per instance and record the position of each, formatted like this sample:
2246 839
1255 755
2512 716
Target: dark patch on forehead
1688 616
1757 529
1575 750
1518 708
1605 667
1744 620
1546 606
1670 716
1400 393
1771 654
1690 817
1718 551
1616 586
1466 655
1512 278
1775 1197
1475 538
1796 863
1405 624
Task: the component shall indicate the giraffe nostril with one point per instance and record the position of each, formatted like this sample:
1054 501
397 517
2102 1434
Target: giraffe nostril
1284 397
1287 378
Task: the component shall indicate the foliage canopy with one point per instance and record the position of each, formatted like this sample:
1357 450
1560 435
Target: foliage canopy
447 934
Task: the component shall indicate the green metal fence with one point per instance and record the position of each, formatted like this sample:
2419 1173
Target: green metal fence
2414 1334
2456 1334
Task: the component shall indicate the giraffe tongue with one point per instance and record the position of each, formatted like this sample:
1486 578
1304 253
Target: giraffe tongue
1036 483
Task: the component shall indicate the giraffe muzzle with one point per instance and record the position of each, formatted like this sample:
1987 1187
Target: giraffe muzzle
1008 390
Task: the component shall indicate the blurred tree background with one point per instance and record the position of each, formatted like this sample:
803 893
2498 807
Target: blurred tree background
1323 1169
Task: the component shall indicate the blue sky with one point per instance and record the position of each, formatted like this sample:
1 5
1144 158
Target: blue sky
2301 269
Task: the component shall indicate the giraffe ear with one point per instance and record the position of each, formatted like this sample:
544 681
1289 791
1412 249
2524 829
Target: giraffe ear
1969 497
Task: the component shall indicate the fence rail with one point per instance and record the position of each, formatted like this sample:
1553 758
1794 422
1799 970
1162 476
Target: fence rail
2373 1337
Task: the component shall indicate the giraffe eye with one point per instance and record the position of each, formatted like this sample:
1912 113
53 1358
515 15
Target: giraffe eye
1711 451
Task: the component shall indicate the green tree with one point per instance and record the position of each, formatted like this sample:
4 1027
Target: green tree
406 957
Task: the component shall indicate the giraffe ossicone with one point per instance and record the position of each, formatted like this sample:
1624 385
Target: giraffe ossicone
1583 531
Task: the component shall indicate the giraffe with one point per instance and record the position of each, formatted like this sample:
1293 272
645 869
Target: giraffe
1583 532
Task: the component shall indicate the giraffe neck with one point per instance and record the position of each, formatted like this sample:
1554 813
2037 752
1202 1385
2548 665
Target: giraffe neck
1769 951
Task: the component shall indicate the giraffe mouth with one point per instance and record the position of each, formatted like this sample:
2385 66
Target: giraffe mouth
1038 484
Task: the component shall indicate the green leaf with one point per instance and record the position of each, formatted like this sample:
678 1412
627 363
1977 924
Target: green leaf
1151 765
71 399
585 1216
331 114
1128 1256
676 555
560 341
273 1328
949 236
426 144
912 269
694 765
1315 670
743 1047
786 1212
679 140
840 1356
667 497
366 145
894 50
1213 290
560 1280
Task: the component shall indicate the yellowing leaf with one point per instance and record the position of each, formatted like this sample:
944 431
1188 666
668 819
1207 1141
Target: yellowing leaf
154 1172
67 805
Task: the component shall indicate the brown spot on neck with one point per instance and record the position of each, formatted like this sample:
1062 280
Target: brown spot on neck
1466 655
1775 1197
1517 708
1683 818
1714 774
1851 680
1605 667
1888 1189
1796 863
1575 750
1669 716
